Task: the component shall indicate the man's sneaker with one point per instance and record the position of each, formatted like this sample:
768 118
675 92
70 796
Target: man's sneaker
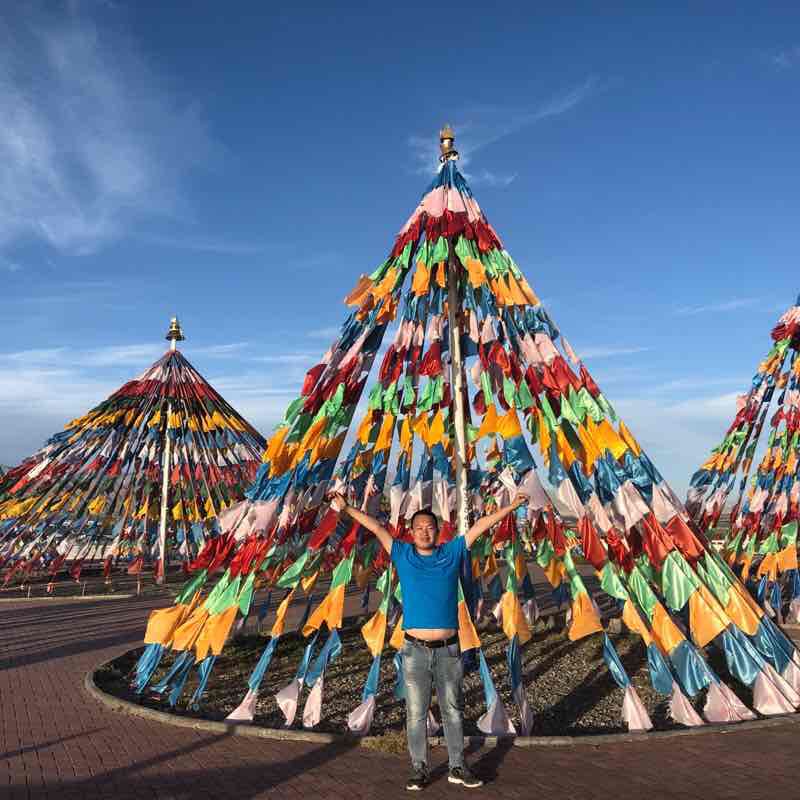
463 776
419 778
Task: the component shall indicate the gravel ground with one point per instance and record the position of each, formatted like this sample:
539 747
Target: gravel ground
569 688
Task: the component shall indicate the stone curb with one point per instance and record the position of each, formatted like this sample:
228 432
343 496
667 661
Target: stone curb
66 597
234 729
259 732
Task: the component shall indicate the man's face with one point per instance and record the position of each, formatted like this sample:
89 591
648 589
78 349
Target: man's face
424 532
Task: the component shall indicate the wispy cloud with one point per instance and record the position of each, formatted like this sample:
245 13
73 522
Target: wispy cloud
204 244
62 391
330 332
678 436
494 179
128 355
481 126
609 352
222 350
619 373
785 58
42 388
290 358
682 385
261 396
92 141
54 295
711 308
310 261
8 265
37 399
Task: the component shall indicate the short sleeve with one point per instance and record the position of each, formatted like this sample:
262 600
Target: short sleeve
398 551
458 546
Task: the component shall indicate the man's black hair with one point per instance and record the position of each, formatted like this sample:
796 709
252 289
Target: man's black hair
424 512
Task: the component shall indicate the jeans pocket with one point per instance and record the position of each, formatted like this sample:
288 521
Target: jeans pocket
454 650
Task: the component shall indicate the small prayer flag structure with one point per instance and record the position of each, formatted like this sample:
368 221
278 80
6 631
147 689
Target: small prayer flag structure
756 467
146 473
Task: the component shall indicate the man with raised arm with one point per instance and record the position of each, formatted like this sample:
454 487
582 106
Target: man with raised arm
429 575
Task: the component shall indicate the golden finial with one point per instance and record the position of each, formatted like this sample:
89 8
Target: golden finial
446 139
175 332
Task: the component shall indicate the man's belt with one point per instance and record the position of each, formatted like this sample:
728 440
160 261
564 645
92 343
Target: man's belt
435 643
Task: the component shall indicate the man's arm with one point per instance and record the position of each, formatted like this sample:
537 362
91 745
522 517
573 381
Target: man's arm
484 523
339 504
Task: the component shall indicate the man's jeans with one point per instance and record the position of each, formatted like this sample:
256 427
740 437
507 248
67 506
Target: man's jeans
441 667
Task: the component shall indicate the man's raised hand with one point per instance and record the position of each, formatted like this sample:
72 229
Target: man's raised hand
519 500
339 505
338 502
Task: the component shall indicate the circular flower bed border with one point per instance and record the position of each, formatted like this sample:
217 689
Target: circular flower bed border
236 729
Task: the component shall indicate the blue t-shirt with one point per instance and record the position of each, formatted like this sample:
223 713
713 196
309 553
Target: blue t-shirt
429 584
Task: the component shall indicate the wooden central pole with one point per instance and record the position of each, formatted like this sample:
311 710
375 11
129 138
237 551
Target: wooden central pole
457 384
165 470
174 335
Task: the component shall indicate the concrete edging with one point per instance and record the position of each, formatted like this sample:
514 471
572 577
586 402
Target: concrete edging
66 597
232 728
237 729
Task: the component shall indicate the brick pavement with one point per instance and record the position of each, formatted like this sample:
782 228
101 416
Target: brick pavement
57 742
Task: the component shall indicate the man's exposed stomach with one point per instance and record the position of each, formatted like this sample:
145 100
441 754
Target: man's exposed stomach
431 634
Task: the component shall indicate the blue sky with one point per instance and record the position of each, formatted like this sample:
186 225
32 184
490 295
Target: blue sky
241 166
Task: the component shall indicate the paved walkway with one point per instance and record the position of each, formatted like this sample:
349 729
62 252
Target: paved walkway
56 741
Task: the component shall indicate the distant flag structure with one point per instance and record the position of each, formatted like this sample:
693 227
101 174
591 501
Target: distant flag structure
448 286
761 543
165 454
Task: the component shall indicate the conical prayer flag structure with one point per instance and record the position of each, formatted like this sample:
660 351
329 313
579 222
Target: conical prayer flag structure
148 469
471 380
761 541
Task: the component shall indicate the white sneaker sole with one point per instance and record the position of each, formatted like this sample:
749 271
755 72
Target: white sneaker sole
460 782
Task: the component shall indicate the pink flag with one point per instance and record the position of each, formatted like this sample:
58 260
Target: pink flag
312 713
681 710
245 711
633 711
287 699
359 721
723 706
495 721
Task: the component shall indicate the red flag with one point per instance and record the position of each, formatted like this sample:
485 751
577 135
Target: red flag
654 540
591 386
539 531
497 355
312 376
564 375
555 532
432 361
55 565
684 538
325 528
505 531
446 532
136 566
241 561
592 547
349 541
616 547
